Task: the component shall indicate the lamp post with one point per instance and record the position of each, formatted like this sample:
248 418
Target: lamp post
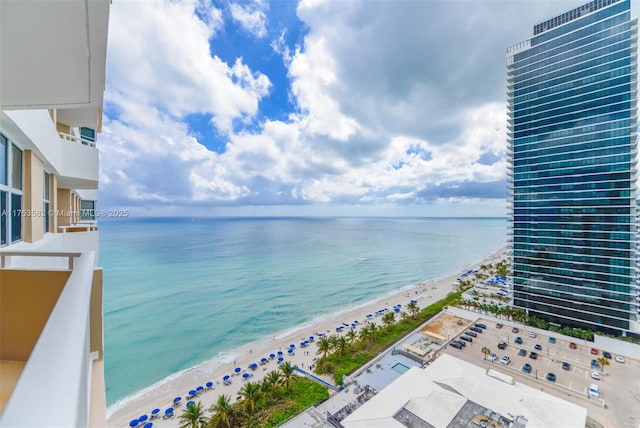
536 374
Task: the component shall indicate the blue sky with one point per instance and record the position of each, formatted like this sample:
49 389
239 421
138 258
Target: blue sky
313 107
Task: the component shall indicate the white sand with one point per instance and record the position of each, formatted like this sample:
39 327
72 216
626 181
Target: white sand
162 394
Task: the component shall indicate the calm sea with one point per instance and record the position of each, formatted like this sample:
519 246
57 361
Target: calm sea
179 291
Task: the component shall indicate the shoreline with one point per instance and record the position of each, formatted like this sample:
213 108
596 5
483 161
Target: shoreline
161 394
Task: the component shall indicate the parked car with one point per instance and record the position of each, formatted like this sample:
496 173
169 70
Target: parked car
499 325
522 353
493 356
518 340
461 343
595 365
594 351
515 330
502 345
505 360
480 325
573 345
533 355
476 329
456 345
466 338
526 368
620 359
533 334
594 391
471 333
538 347
552 339
551 377
566 366
606 354
595 375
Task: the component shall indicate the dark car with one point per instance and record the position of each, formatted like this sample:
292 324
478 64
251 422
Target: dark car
480 325
573 345
606 354
533 355
566 366
502 345
551 377
522 352
552 339
476 329
595 365
538 347
499 325
526 368
456 345
518 341
471 333
466 338
515 330
460 342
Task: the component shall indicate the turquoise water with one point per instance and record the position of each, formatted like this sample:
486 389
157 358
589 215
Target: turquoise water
400 368
180 291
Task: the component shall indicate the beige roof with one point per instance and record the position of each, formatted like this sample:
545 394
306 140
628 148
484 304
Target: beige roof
418 392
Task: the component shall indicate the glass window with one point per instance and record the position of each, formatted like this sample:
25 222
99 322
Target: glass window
16 172
3 159
16 217
45 204
3 218
88 134
87 210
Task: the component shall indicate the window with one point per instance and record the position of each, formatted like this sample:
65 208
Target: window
87 210
45 204
16 163
87 134
3 159
10 192
3 218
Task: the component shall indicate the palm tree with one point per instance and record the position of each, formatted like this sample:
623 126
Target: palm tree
222 413
486 351
413 309
274 378
341 344
351 337
365 333
603 362
324 346
287 370
373 331
193 416
388 319
333 342
250 393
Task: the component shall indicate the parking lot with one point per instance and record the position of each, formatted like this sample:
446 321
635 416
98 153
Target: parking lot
619 385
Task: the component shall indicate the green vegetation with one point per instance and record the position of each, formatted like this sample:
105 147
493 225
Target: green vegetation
267 404
340 356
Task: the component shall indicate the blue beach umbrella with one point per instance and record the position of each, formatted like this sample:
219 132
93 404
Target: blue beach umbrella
311 338
209 384
177 400
272 356
246 375
155 411
190 403
168 411
302 344
148 425
292 346
133 423
290 351
356 322
253 366
226 377
264 360
237 370
279 352
143 418
200 388
280 359
369 315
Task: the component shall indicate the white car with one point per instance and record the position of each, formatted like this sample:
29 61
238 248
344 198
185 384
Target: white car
594 391
505 360
493 356
620 358
595 375
532 334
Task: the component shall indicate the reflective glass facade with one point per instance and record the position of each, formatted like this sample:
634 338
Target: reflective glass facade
572 173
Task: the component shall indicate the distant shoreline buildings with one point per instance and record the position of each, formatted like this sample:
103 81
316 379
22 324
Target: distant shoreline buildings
572 145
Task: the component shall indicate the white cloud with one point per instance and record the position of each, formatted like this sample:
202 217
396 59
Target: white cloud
251 17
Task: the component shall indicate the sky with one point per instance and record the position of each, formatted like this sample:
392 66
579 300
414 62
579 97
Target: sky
314 107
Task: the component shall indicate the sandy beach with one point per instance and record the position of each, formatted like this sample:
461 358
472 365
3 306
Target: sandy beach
162 394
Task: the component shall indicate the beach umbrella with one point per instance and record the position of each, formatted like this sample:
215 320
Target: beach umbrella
302 344
369 315
148 425
209 384
200 388
237 370
311 338
192 393
292 346
264 360
226 377
155 412
168 411
253 366
290 351
190 403
279 352
133 423
246 375
272 356
280 359
143 418
356 322
177 400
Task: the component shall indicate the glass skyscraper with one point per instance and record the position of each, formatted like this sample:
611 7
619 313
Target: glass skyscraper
572 129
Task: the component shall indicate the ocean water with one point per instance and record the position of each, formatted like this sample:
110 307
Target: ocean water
179 291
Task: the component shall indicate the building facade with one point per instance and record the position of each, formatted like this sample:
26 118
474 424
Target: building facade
52 81
572 144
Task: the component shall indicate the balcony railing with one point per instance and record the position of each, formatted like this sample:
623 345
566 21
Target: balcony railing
76 139
54 387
